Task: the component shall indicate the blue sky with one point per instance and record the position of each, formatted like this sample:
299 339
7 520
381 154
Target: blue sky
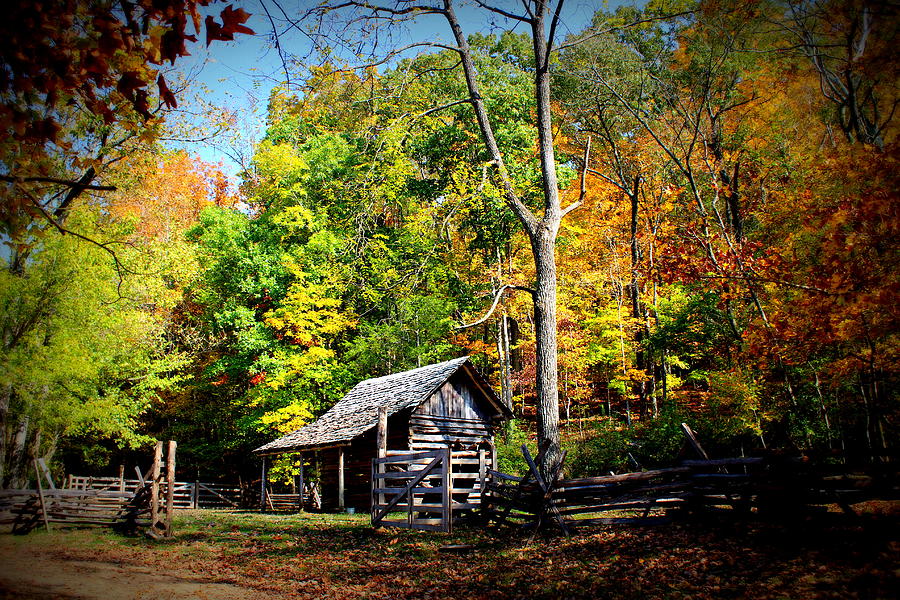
238 76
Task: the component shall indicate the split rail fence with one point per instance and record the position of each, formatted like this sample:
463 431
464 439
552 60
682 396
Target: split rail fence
149 502
774 485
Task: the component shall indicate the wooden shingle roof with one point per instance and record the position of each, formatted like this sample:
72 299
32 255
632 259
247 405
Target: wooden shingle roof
357 412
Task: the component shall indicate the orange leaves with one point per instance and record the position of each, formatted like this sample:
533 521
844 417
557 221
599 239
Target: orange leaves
232 22
167 193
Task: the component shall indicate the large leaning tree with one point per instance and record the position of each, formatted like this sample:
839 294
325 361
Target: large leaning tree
361 28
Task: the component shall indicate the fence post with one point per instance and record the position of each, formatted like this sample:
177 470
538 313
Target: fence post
340 478
381 439
447 481
154 488
262 487
195 494
170 486
302 483
482 474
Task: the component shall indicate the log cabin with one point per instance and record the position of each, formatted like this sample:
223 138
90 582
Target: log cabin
444 405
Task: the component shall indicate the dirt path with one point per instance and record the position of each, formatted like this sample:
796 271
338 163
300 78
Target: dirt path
29 575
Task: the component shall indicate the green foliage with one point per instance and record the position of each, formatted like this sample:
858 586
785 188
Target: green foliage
509 448
82 355
605 449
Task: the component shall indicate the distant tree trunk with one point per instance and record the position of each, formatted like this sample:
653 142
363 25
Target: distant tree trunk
5 397
503 353
16 468
640 387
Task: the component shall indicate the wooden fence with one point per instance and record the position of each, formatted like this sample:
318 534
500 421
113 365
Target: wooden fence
307 498
186 494
25 509
431 488
149 502
771 485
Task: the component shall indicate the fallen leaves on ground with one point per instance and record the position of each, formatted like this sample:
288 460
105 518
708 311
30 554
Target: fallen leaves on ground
322 556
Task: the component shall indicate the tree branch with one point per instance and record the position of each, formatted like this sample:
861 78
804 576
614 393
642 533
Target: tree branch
584 172
502 12
66 182
497 297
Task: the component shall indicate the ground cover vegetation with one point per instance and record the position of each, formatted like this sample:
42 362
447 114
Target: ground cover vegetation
732 262
249 555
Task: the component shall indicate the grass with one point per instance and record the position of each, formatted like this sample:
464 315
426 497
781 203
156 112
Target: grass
341 556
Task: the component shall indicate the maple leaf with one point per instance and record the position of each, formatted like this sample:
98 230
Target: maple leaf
165 93
232 22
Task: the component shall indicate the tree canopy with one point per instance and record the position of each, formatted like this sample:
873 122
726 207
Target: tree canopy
728 256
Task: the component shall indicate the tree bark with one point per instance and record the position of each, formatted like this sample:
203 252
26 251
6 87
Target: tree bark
5 397
546 355
17 464
640 387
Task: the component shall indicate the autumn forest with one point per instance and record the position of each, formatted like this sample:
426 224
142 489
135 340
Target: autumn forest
681 212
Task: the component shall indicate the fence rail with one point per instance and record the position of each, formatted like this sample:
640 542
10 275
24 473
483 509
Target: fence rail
187 494
773 485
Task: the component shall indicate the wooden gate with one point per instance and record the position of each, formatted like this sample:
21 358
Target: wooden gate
415 483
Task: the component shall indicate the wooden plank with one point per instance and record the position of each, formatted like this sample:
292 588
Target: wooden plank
440 419
381 433
456 430
637 476
415 490
465 438
504 476
693 441
46 473
302 483
262 486
403 474
415 481
373 496
548 488
217 494
395 456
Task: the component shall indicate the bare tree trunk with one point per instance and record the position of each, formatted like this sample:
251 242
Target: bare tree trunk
546 355
505 361
640 387
16 467
541 231
5 397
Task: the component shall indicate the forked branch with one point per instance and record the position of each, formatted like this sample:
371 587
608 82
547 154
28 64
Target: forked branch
497 296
